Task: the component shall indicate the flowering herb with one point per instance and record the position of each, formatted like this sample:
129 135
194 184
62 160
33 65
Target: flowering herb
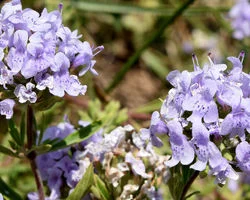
37 52
120 155
192 113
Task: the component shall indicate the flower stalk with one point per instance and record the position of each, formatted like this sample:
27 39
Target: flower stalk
188 184
31 135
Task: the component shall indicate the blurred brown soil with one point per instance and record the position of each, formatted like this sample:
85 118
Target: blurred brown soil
138 87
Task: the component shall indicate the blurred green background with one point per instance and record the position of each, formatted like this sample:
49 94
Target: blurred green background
125 28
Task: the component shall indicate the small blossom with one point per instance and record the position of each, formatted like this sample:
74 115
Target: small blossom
137 165
25 93
157 126
243 156
128 190
6 108
182 150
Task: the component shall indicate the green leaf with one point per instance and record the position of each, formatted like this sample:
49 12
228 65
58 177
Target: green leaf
8 192
94 108
22 129
80 135
14 132
13 145
43 148
149 107
155 61
192 194
7 151
95 192
101 187
84 185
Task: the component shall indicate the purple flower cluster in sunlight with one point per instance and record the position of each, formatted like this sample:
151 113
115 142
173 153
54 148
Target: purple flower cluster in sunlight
38 52
121 153
240 15
205 113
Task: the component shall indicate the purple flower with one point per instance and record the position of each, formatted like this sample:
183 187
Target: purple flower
154 193
64 82
35 196
200 98
37 60
219 166
6 108
182 150
6 76
69 42
157 126
243 156
172 106
44 80
10 8
237 121
200 143
39 52
75 175
240 15
25 93
137 165
55 181
55 167
17 54
85 58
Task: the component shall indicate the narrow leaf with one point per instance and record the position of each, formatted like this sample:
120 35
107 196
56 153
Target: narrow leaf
43 148
149 107
84 185
155 62
7 151
13 145
22 129
8 192
14 132
95 192
100 185
80 135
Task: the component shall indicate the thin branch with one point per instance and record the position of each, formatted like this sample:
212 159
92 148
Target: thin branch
32 155
133 59
188 185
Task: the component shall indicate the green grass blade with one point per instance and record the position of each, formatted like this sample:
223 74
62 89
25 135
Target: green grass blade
128 8
80 135
8 192
84 185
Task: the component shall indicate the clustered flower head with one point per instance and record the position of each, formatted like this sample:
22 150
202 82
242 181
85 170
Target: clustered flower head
124 157
240 15
207 115
37 52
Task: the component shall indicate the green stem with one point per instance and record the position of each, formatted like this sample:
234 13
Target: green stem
132 60
31 136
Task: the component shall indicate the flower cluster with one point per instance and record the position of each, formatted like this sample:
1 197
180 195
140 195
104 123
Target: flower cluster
38 52
207 114
240 15
124 157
